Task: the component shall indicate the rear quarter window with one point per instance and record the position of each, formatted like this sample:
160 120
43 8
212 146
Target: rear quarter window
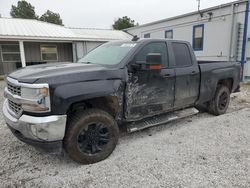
181 54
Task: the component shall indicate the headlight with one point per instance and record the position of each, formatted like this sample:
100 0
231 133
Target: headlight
40 94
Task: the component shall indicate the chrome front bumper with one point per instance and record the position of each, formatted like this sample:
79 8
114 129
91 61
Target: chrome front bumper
43 129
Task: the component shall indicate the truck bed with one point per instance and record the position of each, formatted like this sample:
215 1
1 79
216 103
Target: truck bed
211 72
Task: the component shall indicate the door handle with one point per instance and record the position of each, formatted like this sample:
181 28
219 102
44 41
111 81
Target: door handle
193 73
166 76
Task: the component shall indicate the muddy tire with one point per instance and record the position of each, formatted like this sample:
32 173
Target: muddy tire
91 136
220 102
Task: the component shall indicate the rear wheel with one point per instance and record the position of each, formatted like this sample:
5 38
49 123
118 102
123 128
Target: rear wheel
91 136
220 102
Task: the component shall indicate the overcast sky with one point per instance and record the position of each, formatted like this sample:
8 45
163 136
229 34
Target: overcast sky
102 13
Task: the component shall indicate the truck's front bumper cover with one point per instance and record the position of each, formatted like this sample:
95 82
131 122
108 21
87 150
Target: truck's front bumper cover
50 147
38 131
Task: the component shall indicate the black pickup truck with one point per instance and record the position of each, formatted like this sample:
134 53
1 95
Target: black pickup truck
79 107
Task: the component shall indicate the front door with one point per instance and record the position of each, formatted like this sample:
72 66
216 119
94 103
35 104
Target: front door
150 92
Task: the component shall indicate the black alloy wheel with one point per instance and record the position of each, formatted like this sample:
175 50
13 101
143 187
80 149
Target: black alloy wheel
91 136
219 104
223 100
92 140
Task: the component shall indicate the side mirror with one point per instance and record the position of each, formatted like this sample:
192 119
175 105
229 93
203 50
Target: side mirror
153 58
153 62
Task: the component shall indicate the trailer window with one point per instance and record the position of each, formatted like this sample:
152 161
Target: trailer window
147 35
169 34
198 37
182 55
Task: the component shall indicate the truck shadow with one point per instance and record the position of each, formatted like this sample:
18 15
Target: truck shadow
35 158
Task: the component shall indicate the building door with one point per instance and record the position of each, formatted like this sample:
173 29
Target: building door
247 64
1 68
1 63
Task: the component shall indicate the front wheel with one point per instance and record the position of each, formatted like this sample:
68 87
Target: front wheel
91 136
220 102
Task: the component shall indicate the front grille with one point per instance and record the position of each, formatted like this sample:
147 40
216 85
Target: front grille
16 108
14 90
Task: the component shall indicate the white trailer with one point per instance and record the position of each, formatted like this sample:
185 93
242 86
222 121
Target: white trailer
217 34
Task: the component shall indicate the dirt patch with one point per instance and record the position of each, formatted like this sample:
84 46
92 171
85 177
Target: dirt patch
240 100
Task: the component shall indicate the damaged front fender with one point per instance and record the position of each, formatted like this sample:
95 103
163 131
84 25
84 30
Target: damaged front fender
66 95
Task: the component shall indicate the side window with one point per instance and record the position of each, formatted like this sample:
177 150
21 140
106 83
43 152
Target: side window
169 34
10 53
147 35
49 52
198 37
181 54
156 47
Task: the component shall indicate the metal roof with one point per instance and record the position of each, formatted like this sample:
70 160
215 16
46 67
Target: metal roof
101 34
28 29
188 14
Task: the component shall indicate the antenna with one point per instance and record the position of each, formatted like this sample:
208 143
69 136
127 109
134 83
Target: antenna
199 6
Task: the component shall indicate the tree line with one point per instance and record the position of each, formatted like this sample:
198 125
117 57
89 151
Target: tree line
26 10
23 9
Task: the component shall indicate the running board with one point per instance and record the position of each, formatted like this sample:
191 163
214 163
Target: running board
160 119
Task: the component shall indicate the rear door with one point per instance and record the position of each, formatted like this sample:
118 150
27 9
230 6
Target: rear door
187 76
150 92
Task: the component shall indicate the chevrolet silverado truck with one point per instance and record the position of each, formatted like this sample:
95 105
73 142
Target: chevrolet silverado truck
79 108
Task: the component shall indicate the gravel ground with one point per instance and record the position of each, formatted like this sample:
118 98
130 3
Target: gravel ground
199 151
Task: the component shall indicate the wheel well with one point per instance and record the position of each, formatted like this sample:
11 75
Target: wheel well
226 82
109 104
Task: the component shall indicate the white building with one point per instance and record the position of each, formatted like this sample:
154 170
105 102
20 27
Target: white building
217 34
26 42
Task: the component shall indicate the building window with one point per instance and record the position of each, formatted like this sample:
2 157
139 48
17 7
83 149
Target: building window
147 35
169 34
10 53
198 37
49 53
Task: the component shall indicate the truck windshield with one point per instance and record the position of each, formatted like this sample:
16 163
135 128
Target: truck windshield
108 54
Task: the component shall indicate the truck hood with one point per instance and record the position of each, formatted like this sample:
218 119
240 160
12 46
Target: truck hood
56 73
